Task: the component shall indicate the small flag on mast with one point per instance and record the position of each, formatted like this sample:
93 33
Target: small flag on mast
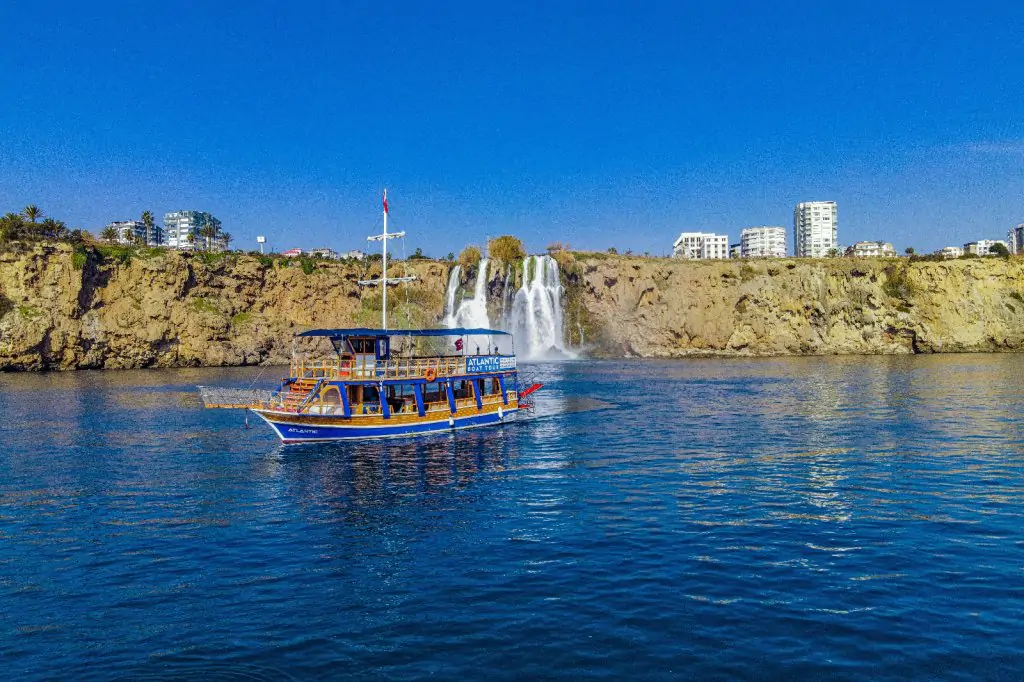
458 344
385 200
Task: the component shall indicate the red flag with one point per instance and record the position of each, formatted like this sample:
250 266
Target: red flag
385 201
458 344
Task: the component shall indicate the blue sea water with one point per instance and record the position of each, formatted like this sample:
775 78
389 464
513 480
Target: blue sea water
851 518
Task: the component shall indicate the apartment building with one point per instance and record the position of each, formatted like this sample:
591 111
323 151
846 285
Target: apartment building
1015 239
763 242
135 232
815 228
179 225
871 250
983 247
701 246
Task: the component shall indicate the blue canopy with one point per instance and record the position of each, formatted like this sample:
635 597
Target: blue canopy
380 333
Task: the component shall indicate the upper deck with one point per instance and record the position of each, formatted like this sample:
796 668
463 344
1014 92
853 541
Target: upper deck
366 355
368 368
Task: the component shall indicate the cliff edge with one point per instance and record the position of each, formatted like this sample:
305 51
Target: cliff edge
670 308
62 308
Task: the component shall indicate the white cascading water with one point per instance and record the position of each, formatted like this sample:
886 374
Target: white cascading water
536 318
534 315
472 312
449 303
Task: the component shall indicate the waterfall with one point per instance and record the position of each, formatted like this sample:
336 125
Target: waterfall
453 288
472 312
533 313
536 318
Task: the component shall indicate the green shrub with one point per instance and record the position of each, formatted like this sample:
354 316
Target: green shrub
29 312
308 266
238 319
79 257
897 285
202 305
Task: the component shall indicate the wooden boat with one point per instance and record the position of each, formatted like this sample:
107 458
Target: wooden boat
369 388
366 391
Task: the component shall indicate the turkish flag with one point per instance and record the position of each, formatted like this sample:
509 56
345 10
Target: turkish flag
385 201
458 344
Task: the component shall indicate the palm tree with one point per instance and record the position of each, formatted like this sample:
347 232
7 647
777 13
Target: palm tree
52 229
147 220
208 232
32 212
128 236
225 239
109 234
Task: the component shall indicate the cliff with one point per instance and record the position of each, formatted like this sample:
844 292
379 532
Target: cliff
67 309
669 308
61 309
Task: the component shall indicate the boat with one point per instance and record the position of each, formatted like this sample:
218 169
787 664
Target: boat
382 383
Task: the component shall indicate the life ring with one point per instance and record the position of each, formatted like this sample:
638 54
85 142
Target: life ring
430 374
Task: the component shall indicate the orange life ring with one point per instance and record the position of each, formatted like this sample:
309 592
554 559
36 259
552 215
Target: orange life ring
430 374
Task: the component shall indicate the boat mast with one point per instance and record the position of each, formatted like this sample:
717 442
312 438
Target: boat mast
384 281
384 266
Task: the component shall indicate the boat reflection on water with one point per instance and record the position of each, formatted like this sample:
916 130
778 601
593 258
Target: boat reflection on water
377 472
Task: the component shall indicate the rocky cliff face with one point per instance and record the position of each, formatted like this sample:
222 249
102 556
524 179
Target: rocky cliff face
62 310
668 308
59 310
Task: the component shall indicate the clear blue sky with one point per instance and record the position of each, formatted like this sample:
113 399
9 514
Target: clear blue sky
594 123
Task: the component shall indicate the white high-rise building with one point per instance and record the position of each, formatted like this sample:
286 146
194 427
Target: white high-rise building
815 228
1015 239
701 245
135 232
178 225
763 242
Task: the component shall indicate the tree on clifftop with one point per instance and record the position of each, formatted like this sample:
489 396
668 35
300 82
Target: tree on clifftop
32 212
147 220
999 249
507 249
909 251
109 234
469 257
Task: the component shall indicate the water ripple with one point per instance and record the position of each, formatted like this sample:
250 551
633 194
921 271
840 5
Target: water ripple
816 517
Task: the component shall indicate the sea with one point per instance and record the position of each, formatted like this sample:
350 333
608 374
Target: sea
778 518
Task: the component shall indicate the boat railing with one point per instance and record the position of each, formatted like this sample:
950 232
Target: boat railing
395 368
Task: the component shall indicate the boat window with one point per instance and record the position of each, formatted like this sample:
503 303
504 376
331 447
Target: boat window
362 346
370 394
433 393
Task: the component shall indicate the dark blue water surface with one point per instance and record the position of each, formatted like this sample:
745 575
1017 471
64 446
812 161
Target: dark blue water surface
851 517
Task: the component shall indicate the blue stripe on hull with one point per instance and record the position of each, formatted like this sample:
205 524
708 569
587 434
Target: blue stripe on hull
296 433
